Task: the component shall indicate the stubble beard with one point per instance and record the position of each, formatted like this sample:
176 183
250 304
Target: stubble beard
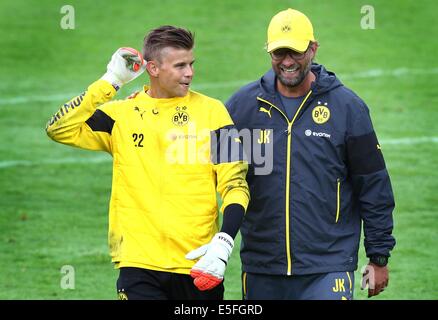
291 83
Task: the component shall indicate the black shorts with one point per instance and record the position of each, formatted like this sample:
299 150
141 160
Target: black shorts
145 284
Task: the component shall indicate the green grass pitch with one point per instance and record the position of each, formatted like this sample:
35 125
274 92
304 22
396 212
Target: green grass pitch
54 199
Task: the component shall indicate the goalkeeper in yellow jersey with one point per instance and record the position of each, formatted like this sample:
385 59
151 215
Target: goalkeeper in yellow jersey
172 149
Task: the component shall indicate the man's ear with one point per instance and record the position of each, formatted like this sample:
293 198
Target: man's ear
314 47
152 68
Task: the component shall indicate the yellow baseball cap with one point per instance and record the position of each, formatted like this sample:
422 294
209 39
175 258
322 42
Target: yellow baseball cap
289 29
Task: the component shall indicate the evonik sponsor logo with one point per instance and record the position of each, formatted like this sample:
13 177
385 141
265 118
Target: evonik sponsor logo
309 133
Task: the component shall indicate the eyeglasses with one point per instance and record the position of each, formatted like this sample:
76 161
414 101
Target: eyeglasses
281 53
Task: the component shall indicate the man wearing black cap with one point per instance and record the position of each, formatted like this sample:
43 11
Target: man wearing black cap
301 233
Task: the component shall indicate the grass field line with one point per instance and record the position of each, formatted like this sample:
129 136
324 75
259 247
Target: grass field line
102 157
408 141
98 158
372 73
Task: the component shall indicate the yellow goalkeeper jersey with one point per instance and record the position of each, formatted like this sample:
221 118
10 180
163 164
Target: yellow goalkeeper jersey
169 160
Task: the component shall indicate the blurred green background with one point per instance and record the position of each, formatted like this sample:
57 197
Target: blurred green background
54 199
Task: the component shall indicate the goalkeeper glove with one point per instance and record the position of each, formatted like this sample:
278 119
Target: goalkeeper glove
209 271
126 64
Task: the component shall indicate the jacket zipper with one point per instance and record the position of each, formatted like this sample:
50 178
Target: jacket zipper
288 161
338 200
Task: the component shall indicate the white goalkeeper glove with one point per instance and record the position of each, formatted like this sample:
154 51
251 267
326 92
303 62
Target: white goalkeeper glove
126 64
209 271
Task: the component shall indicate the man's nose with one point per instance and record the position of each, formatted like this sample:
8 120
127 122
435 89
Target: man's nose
189 72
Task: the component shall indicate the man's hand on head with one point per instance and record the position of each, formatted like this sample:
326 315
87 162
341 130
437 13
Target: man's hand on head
126 64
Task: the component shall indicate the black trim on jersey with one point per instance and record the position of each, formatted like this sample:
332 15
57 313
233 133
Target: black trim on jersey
232 219
100 121
364 155
226 145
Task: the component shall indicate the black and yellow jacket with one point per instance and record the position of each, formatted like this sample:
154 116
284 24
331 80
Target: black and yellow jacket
327 177
163 200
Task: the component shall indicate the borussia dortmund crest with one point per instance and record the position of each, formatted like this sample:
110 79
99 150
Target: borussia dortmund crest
122 295
321 113
180 118
285 28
